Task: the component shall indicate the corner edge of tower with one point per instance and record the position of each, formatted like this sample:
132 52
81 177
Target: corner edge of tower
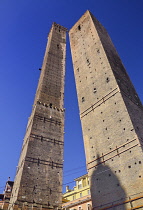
80 20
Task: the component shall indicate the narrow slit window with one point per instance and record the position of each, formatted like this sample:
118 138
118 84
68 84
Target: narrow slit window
107 79
98 51
83 99
79 27
94 90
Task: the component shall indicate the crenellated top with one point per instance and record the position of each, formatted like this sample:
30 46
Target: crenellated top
58 28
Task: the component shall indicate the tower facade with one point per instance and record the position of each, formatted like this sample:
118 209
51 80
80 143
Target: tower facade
38 181
111 115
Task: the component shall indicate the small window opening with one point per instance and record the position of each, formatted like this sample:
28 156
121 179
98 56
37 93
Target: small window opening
83 99
58 46
38 162
50 105
89 205
98 51
140 162
107 79
94 90
79 27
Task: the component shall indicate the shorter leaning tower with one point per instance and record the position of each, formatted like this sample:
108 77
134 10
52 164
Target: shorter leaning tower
111 114
38 181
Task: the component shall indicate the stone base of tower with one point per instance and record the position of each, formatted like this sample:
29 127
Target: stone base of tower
134 202
33 206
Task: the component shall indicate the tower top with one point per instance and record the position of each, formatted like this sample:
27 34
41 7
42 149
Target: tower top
87 13
57 27
77 26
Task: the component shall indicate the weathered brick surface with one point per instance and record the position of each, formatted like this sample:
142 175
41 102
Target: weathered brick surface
38 180
111 116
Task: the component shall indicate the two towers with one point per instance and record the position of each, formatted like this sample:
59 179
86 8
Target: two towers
111 116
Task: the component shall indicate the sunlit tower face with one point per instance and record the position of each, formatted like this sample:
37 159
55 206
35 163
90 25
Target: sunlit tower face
111 116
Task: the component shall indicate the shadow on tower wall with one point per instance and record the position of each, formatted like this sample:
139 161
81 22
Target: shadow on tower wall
106 189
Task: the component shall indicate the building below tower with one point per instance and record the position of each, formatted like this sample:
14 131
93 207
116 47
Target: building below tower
5 197
79 198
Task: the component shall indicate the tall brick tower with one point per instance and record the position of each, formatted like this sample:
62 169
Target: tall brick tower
38 181
112 118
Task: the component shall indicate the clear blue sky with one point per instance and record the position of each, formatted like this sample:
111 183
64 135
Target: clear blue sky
24 26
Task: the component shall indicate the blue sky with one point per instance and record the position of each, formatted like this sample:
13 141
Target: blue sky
24 26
